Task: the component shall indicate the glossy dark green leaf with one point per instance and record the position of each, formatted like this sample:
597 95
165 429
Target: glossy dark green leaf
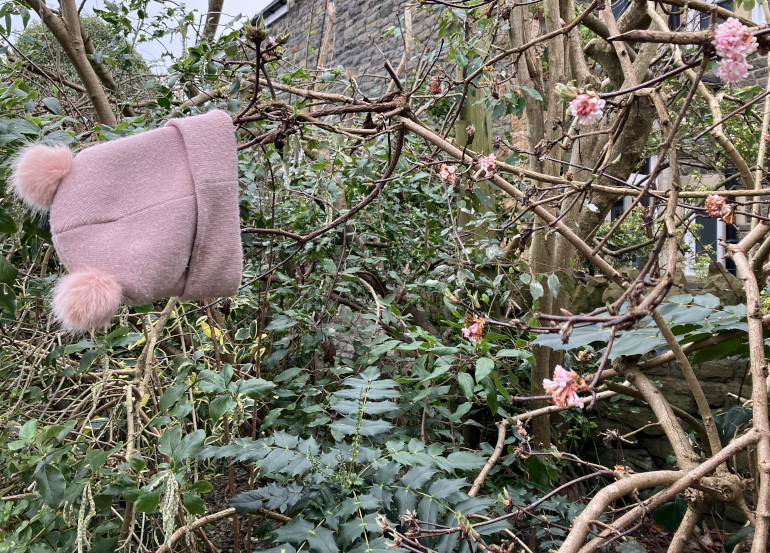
148 499
50 484
7 223
7 271
194 504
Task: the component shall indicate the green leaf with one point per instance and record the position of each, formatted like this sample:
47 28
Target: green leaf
194 504
554 285
254 388
137 463
442 351
738 537
465 460
350 426
211 382
484 366
28 430
466 384
669 515
322 541
7 224
7 272
7 300
221 405
148 499
247 502
87 360
461 59
533 93
190 446
80 346
53 104
202 486
171 396
105 545
536 289
520 353
50 484
170 439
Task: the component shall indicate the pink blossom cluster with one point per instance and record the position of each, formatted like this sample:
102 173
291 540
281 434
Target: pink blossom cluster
447 174
564 386
520 428
488 165
587 108
474 332
271 40
733 43
718 208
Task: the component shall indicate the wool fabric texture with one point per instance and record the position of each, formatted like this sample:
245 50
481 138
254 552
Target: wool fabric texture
140 218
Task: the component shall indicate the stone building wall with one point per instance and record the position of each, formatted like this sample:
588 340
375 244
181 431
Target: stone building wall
360 24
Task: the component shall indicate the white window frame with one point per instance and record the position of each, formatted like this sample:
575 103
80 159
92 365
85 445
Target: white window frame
280 7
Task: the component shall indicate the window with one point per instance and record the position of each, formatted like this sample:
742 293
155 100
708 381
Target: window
274 11
705 20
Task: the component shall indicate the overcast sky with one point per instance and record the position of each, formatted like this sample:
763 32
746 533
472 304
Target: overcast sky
153 50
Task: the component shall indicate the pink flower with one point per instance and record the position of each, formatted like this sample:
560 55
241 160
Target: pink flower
488 165
447 174
714 205
435 84
564 387
474 332
766 137
733 70
271 40
732 40
587 108
733 43
520 428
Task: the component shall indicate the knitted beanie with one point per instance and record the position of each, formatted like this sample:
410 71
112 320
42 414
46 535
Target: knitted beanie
141 218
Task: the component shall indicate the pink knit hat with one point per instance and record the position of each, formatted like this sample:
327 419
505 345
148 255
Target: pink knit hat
140 218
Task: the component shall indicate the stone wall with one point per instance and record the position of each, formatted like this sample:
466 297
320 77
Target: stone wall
360 24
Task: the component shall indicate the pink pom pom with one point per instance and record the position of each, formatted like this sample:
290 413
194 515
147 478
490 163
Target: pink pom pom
86 300
37 173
